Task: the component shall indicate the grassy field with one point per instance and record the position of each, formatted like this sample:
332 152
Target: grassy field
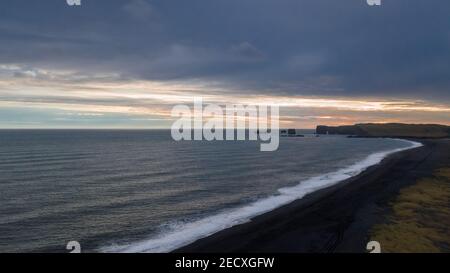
420 219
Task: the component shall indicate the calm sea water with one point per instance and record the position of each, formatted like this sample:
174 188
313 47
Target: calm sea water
142 191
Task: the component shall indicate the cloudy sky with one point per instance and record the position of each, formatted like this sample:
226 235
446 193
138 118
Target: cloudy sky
125 63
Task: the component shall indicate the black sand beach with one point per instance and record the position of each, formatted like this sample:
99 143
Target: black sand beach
336 219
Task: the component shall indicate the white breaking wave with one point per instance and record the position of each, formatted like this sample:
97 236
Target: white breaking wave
186 233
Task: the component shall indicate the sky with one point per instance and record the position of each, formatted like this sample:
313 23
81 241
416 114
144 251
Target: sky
126 63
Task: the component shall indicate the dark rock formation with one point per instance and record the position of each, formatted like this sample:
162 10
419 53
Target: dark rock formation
387 130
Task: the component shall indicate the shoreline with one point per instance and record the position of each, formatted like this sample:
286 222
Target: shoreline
224 220
333 219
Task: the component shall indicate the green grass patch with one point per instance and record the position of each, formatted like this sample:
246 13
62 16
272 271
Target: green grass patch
420 221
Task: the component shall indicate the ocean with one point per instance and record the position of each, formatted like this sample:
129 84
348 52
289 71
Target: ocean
141 191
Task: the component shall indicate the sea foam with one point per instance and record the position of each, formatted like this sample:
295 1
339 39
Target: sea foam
185 233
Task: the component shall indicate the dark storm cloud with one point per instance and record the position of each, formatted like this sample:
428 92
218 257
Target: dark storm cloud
302 47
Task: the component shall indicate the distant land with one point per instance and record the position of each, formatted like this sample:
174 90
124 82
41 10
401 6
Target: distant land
388 130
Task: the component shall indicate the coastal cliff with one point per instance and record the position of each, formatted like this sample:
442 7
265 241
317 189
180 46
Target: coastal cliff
388 130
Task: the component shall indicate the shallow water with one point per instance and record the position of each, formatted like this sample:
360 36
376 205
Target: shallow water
139 191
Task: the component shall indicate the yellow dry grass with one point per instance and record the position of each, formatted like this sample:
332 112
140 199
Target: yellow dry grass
420 221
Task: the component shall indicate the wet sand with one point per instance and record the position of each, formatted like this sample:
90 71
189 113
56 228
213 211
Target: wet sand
335 219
